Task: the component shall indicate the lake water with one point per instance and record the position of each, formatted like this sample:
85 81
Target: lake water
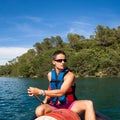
15 104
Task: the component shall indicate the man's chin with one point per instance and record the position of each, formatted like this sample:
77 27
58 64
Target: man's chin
61 69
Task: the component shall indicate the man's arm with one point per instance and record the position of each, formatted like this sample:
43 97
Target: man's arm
68 81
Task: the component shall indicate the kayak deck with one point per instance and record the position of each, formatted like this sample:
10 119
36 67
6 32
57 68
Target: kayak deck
65 114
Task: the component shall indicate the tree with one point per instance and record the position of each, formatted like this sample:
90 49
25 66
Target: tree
105 35
118 34
38 47
74 41
59 42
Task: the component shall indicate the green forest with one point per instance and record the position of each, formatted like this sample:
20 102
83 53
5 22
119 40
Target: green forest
97 56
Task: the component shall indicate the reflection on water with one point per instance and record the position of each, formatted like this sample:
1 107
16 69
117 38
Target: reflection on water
15 104
105 93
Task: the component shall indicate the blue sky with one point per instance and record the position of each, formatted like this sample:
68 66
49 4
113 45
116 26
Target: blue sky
25 22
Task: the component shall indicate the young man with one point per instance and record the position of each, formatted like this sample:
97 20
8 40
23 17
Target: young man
61 92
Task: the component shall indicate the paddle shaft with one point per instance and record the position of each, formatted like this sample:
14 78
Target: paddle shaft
38 99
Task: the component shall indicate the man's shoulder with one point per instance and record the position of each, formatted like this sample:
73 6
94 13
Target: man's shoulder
70 74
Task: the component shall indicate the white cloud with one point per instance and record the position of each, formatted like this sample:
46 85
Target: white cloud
81 23
9 53
35 19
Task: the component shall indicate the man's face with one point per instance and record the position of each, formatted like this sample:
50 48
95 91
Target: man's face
59 61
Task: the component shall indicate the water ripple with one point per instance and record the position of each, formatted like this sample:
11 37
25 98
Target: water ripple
15 104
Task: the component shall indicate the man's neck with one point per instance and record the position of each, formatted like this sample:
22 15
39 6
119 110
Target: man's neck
58 70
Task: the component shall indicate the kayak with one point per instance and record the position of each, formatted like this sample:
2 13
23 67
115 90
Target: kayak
65 114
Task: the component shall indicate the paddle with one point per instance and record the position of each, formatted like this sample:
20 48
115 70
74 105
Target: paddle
38 99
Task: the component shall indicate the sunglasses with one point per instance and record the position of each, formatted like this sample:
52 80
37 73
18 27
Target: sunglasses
60 60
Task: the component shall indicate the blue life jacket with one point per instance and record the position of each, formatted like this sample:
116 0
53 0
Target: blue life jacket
56 82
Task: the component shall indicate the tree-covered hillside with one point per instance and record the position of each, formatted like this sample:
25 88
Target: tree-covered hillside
97 56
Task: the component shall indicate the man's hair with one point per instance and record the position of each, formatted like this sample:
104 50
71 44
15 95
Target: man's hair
57 53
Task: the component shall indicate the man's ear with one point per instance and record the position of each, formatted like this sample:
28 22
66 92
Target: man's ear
53 62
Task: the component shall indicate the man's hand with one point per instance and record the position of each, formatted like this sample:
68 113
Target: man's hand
33 91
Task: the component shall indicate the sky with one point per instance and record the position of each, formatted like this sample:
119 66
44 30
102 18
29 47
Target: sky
25 22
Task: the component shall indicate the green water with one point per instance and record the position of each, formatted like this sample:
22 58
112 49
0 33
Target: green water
15 104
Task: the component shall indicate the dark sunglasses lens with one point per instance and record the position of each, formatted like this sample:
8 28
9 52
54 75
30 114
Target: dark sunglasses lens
65 60
60 60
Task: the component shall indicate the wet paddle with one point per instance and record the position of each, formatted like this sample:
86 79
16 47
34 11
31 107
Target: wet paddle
38 99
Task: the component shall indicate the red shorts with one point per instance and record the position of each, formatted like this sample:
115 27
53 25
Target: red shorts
66 106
